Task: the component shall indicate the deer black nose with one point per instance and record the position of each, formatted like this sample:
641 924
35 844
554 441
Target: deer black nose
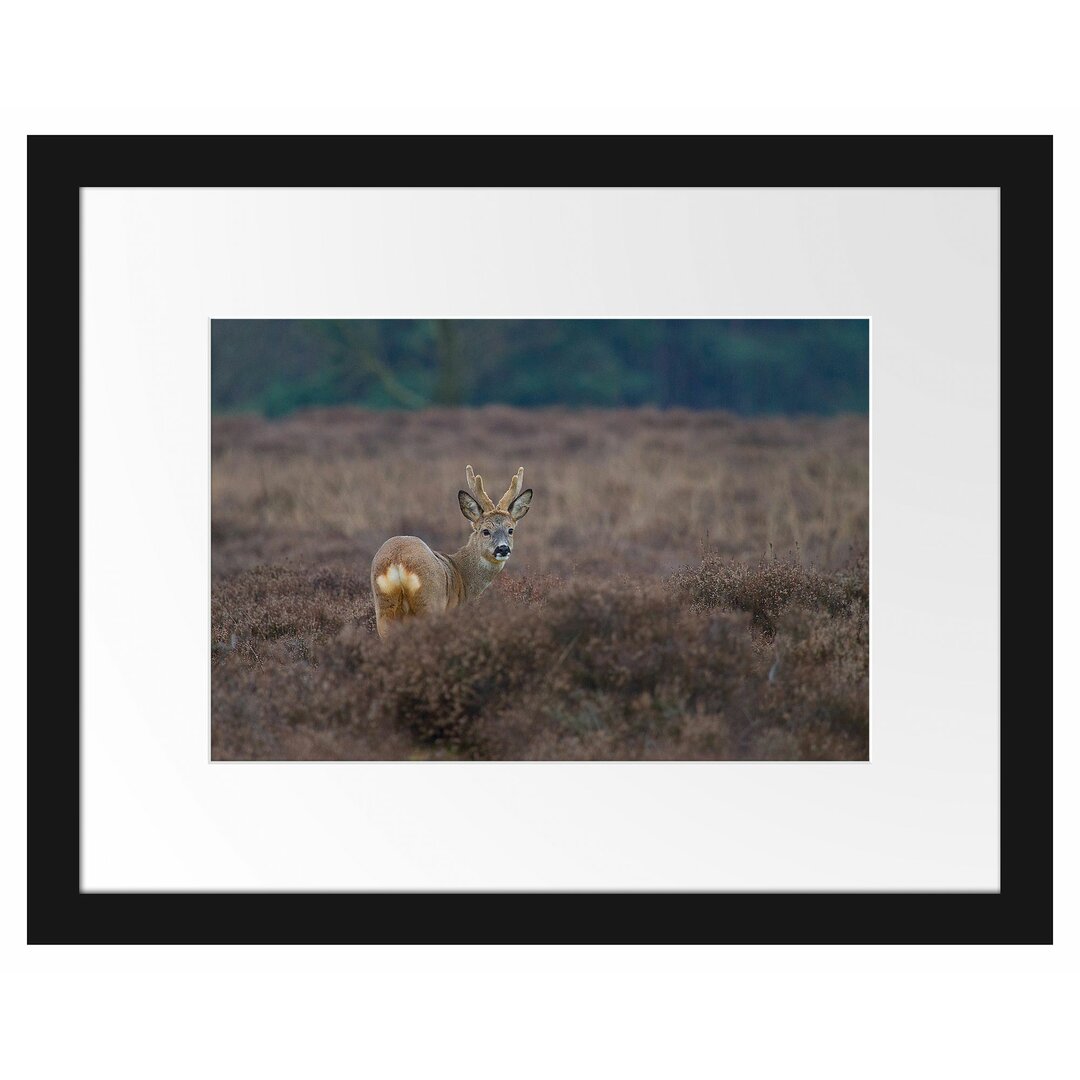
502 549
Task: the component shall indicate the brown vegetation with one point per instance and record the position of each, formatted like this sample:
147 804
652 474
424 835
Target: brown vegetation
618 631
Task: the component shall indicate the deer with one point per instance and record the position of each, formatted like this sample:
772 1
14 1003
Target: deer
409 580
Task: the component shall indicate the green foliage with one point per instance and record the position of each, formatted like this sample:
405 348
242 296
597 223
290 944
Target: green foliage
744 365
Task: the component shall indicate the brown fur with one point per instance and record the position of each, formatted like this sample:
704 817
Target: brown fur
410 580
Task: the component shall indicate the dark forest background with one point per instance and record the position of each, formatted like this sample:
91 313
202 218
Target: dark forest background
749 366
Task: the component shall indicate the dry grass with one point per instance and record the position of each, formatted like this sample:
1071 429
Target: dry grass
608 636
631 491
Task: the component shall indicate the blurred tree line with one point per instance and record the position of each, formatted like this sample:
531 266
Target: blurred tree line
746 365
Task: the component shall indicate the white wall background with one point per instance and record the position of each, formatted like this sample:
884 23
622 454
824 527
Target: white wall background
762 1011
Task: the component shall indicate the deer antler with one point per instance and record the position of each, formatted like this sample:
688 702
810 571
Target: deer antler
476 486
513 491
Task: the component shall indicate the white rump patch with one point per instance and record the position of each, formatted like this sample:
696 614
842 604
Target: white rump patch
395 577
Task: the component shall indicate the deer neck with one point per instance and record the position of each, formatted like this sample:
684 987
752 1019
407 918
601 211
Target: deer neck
476 572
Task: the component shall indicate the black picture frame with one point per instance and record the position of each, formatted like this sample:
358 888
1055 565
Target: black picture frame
60 166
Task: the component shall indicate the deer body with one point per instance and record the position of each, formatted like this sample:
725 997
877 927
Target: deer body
409 580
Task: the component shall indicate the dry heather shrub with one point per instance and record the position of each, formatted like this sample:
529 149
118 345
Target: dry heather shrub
595 671
820 704
269 603
283 710
434 679
770 587
533 589
816 626
726 661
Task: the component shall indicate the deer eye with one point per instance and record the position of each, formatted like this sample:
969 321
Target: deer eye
487 532
510 532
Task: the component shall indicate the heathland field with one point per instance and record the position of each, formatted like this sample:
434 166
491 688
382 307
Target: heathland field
685 585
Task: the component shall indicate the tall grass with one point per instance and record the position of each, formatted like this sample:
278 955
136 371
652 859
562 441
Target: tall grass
616 491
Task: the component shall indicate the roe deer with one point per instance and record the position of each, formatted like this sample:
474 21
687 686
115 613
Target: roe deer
408 579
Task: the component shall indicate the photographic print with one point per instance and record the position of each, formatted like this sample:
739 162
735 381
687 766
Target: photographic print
540 539
683 614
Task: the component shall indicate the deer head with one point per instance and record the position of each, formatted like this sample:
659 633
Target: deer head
493 523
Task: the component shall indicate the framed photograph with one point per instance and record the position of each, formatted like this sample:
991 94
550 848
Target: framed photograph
517 526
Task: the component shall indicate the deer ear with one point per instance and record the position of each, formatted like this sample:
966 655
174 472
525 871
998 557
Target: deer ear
520 506
469 506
